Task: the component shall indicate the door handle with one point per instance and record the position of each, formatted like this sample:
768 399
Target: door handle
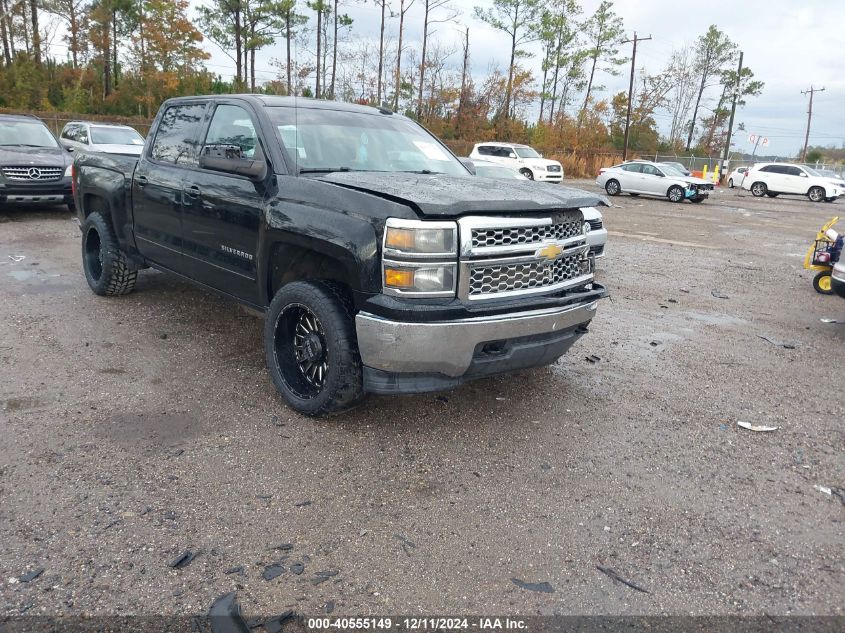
141 180
193 191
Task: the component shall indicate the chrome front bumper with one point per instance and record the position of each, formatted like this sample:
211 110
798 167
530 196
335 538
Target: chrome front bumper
448 347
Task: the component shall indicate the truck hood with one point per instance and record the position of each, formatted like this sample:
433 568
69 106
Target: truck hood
441 195
35 156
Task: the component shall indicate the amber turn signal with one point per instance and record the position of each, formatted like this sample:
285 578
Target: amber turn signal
398 278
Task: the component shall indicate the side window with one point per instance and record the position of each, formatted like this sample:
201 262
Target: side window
82 134
651 170
633 167
504 152
231 125
67 133
175 140
485 151
794 171
769 169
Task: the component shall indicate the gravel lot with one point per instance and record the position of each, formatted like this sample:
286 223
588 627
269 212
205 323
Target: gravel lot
136 428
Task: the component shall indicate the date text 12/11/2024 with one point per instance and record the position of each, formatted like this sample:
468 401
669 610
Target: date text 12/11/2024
415 623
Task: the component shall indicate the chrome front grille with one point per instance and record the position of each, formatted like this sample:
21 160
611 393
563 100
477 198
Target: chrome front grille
33 173
504 257
489 280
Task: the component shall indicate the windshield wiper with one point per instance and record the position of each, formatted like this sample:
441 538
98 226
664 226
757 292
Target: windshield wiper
420 171
324 170
26 145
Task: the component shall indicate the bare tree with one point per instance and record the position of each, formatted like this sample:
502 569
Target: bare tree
404 7
430 7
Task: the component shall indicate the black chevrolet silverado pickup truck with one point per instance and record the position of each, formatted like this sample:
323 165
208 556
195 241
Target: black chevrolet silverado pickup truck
381 263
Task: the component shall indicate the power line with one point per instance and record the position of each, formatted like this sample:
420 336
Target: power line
810 92
631 90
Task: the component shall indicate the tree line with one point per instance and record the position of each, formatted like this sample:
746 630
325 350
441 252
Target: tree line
123 57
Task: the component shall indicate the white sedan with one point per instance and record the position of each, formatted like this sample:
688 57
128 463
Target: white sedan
653 179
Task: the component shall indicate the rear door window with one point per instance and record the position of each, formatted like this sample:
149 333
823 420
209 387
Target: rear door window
176 138
635 168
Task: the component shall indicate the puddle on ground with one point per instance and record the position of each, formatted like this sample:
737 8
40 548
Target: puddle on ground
149 428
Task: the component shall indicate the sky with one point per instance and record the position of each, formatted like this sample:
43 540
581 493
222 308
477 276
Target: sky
791 45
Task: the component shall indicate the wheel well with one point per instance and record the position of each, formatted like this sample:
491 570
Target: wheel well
824 191
92 203
297 263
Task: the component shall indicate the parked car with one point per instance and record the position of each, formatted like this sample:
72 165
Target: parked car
837 279
654 179
486 169
33 166
596 233
736 177
101 137
381 263
678 166
520 158
774 179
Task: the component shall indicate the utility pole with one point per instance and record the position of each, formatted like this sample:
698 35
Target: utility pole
809 118
733 112
631 90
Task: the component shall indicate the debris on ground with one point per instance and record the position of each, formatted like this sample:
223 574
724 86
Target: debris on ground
323 576
235 570
297 568
273 571
32 575
542 587
406 544
654 343
225 615
827 320
612 574
302 504
17 258
182 560
285 547
684 290
823 489
777 343
592 359
759 428
328 607
274 625
719 294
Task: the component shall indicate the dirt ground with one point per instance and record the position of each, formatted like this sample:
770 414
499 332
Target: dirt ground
136 428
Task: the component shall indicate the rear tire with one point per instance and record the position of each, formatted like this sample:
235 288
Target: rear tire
816 194
612 187
730 183
759 189
822 283
675 194
106 267
312 352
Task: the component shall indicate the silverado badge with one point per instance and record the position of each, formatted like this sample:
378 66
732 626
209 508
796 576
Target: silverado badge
550 252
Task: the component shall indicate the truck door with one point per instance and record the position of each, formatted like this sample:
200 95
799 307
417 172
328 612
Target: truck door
157 184
222 211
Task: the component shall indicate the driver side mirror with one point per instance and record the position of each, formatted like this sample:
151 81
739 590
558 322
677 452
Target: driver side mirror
511 155
803 175
69 148
230 159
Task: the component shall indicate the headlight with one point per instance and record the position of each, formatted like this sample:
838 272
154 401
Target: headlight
428 279
413 238
419 258
69 170
539 167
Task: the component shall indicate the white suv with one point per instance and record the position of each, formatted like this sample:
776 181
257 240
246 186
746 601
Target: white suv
773 179
520 158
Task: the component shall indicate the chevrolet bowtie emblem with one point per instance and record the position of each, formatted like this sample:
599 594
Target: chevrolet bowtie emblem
550 252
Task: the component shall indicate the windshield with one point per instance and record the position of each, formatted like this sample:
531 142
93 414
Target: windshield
526 152
494 171
323 140
102 135
26 133
671 170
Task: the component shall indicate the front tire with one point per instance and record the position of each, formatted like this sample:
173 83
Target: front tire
312 352
759 189
822 283
527 173
612 187
730 183
816 194
106 267
675 194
